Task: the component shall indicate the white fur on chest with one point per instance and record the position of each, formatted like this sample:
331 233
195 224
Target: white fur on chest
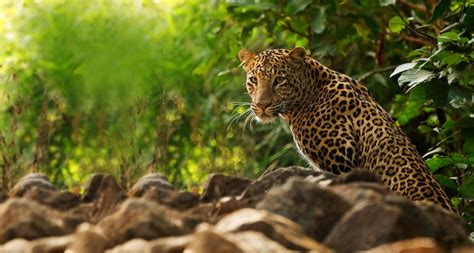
303 155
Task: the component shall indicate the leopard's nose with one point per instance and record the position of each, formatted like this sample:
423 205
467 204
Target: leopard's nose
263 105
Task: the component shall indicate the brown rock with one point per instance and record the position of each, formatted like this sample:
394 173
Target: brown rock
415 245
274 227
3 195
51 244
464 249
251 241
135 246
155 180
278 177
451 229
316 209
88 239
16 245
169 244
29 220
368 225
209 241
29 181
179 200
96 184
105 193
356 176
58 200
140 218
220 185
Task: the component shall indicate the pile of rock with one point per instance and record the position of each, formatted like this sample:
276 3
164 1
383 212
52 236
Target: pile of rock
286 210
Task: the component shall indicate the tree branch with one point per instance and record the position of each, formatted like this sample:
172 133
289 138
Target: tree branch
375 71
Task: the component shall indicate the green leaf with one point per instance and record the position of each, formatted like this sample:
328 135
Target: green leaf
318 20
386 2
468 135
396 24
446 182
449 36
467 190
297 6
451 59
403 67
437 162
414 77
440 9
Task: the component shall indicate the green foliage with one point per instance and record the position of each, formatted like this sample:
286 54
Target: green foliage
441 75
127 87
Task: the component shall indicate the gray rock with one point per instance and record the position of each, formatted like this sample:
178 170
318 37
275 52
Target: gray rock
451 229
314 208
220 185
278 177
368 225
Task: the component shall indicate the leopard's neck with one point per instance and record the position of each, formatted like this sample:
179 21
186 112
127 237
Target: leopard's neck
315 91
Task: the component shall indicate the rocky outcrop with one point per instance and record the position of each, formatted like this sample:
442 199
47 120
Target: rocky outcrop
286 210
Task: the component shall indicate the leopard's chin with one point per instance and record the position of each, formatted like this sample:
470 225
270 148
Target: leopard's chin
265 118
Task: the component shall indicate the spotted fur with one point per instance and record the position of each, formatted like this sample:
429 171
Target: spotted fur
336 125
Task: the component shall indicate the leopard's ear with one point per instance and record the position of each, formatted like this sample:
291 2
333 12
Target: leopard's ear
246 57
297 54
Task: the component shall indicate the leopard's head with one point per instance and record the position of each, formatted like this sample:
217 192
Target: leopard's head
275 80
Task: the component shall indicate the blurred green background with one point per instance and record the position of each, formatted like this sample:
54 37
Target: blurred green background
130 87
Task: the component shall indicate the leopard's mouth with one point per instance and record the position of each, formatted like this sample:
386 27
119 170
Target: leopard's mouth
265 116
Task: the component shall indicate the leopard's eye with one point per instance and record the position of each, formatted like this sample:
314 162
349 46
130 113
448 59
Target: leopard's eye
279 79
253 79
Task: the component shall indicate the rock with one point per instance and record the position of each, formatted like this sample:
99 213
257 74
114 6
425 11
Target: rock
415 245
21 218
135 246
105 193
220 185
209 241
359 192
16 245
140 218
251 241
464 249
356 176
274 227
368 225
29 181
58 200
3 195
51 244
179 200
227 205
278 177
88 239
169 244
316 209
155 180
96 184
451 228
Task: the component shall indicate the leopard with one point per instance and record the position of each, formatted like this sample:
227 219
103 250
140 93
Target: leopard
336 124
